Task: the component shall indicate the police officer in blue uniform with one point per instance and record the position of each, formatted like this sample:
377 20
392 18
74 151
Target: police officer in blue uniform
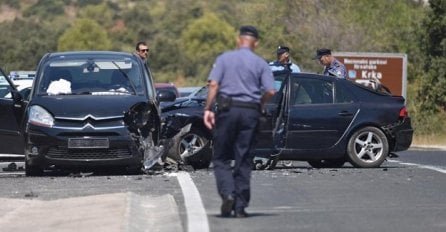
332 67
283 61
240 82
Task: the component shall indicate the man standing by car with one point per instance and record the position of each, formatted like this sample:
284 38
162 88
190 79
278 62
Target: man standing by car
236 83
332 66
142 50
283 61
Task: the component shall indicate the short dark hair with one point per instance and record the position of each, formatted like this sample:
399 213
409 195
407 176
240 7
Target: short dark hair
322 52
140 43
282 49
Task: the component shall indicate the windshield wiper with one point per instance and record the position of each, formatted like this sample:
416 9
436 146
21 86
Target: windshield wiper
126 76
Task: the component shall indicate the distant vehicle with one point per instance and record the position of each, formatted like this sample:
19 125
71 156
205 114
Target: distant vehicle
186 91
88 109
319 119
167 87
23 86
20 75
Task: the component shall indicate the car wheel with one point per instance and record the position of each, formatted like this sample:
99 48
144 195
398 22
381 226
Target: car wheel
194 149
31 170
367 148
331 163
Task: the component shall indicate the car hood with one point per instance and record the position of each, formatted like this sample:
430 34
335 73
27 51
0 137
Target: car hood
80 106
180 103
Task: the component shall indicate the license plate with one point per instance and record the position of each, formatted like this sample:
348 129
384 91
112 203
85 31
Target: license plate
88 143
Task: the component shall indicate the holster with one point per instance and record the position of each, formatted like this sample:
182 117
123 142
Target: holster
224 103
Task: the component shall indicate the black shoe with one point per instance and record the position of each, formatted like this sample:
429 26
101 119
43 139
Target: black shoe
241 213
226 206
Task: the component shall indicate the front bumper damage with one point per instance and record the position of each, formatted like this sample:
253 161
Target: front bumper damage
154 144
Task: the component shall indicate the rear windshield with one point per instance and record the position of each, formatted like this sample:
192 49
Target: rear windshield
91 77
373 86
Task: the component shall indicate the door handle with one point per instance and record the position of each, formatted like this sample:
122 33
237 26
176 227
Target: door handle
345 113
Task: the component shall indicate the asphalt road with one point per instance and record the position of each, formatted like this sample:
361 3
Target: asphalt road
404 194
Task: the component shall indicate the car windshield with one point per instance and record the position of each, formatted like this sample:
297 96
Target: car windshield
91 76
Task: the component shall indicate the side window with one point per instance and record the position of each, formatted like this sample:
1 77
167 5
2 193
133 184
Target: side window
311 91
5 88
343 95
279 84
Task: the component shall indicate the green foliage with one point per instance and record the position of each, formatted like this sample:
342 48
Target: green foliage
432 92
85 34
10 3
139 22
101 13
46 9
24 42
204 39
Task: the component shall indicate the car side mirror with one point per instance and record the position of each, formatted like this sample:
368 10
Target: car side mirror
16 96
165 96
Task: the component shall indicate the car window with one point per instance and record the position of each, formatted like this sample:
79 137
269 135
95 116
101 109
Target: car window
5 87
311 91
343 95
95 77
279 79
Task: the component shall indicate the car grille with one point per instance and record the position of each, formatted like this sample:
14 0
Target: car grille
90 154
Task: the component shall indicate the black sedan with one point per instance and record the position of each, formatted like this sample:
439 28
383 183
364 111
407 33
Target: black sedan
319 119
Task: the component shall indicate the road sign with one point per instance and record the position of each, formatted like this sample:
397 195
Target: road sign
389 68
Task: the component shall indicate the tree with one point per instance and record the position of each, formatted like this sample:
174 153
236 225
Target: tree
101 13
203 40
23 43
84 34
432 93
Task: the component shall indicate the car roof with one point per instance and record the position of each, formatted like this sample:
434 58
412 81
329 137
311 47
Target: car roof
83 54
160 85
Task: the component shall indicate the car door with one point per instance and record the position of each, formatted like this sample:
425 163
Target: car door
320 112
11 112
272 129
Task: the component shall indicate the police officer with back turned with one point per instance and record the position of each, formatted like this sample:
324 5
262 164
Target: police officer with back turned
240 83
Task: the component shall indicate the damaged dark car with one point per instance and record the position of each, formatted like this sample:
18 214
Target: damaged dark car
323 120
91 109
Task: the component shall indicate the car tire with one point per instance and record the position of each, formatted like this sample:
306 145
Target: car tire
194 149
368 147
330 163
31 170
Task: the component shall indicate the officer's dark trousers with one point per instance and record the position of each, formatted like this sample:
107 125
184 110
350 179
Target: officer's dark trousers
234 137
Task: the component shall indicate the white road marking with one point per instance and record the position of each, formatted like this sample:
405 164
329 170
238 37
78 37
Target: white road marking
11 173
11 156
197 219
438 169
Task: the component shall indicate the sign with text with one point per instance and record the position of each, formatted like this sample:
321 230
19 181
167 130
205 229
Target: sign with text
388 68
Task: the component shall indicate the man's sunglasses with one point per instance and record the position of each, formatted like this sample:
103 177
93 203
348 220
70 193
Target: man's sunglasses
144 50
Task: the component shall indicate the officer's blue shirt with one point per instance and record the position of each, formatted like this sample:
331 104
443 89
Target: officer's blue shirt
242 75
277 66
336 69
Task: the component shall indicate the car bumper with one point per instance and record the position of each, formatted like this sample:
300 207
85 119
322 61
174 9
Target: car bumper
49 146
403 134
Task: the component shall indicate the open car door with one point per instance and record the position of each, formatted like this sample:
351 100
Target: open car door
271 138
11 113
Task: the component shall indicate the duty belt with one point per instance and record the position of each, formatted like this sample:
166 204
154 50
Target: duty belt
242 104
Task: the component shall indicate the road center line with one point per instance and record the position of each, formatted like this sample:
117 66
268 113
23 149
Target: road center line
197 219
421 166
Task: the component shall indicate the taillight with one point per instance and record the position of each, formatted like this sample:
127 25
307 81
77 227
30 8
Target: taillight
404 113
